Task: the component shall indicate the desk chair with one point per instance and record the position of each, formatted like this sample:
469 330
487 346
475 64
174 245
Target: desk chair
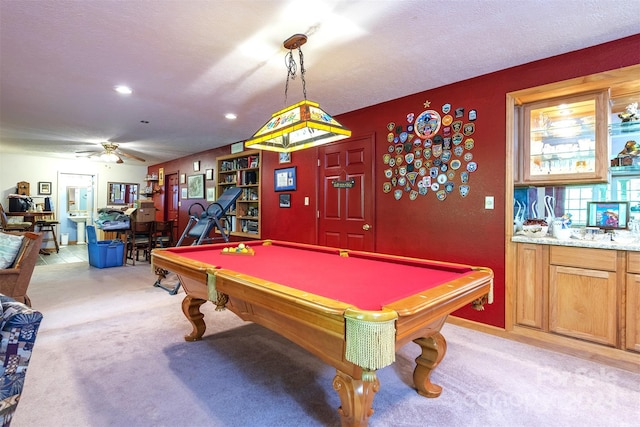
139 238
162 234
12 226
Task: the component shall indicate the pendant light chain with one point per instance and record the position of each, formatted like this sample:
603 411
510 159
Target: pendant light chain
302 71
292 69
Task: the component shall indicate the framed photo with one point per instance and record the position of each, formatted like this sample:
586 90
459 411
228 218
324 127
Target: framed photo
183 178
196 166
285 179
44 188
195 185
285 200
209 174
161 177
284 157
211 194
183 192
608 215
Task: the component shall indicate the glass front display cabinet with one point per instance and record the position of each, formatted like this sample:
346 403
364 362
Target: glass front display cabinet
565 140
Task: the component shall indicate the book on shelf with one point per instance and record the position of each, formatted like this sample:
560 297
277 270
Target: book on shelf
249 177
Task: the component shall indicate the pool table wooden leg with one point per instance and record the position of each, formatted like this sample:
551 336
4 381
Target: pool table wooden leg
433 350
191 309
356 399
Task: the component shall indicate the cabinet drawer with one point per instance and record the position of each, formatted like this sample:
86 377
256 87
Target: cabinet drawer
594 259
633 262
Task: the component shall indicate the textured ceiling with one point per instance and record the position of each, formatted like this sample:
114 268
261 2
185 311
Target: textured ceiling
189 62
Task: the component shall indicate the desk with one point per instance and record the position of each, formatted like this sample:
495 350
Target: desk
33 216
351 309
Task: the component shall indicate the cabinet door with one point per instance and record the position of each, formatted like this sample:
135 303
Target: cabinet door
530 278
565 140
582 304
633 312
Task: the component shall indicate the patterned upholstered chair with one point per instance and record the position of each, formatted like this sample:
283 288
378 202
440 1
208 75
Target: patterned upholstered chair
18 328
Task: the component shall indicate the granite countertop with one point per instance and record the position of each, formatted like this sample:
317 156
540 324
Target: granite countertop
597 244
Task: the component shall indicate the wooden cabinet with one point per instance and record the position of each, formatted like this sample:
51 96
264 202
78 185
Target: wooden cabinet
583 289
632 312
578 296
565 140
531 276
242 170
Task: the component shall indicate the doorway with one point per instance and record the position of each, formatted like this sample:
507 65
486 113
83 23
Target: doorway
76 206
172 202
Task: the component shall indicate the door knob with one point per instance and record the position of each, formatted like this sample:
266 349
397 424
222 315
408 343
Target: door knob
366 227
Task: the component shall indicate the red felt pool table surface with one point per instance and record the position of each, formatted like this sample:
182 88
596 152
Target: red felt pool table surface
365 280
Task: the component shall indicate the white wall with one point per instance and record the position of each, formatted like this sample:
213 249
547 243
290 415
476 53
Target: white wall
33 169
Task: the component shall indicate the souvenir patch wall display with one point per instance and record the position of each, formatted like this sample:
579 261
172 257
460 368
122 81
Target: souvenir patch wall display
431 153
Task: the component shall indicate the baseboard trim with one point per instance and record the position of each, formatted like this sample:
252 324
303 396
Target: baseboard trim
627 360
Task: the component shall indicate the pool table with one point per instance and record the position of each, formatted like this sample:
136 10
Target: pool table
352 309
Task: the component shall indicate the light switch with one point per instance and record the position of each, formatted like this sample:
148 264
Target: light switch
488 202
306 201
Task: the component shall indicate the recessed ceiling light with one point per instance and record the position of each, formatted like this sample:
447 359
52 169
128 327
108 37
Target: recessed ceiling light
123 90
230 116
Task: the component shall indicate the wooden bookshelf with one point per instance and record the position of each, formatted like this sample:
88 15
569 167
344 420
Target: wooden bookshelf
242 170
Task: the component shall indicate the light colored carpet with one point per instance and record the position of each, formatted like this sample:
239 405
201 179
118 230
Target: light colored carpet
110 352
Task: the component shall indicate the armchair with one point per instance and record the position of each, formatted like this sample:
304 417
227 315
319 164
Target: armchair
14 280
16 226
18 328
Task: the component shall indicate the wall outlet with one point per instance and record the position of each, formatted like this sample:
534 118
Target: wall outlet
488 202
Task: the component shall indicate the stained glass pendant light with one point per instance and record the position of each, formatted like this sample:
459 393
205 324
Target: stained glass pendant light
299 126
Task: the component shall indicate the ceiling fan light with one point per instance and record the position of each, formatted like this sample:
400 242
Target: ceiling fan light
109 157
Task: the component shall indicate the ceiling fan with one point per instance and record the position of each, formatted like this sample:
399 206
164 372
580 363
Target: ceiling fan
111 153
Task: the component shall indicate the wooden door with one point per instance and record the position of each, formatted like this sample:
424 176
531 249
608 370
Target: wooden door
346 215
172 190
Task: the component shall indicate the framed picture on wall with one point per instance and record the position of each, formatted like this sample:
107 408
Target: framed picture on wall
209 174
195 186
196 166
183 178
211 194
284 157
285 200
183 192
285 179
44 188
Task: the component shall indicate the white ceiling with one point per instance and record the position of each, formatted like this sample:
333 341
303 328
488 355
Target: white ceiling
189 62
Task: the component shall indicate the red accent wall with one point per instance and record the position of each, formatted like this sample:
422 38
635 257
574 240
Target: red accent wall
458 230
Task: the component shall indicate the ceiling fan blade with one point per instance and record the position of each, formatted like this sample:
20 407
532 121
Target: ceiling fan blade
119 158
131 156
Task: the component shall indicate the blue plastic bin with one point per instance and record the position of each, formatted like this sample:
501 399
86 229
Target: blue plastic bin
105 253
